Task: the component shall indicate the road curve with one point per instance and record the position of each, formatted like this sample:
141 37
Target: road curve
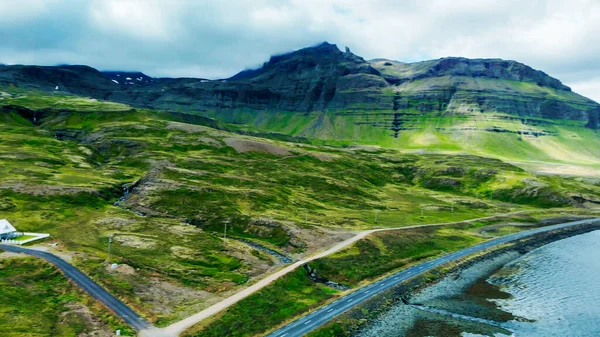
88 285
321 316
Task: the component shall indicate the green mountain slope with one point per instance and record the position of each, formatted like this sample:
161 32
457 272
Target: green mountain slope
490 107
497 135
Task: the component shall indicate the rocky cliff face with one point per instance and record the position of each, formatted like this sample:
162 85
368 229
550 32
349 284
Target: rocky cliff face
462 86
323 78
306 80
397 72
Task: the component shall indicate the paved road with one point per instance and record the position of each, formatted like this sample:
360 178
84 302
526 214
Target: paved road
321 316
129 316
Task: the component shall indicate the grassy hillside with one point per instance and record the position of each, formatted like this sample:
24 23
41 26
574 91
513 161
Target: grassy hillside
167 185
493 134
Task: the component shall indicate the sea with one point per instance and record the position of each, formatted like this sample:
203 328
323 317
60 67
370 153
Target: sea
553 290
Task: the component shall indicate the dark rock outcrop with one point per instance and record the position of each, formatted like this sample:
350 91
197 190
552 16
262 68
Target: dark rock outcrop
314 276
460 66
78 80
594 119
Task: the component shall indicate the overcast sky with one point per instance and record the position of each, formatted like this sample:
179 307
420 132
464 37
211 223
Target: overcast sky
216 39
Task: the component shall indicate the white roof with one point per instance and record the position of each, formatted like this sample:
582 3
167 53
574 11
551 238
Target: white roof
6 227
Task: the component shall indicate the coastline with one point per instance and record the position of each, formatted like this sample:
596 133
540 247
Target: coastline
371 311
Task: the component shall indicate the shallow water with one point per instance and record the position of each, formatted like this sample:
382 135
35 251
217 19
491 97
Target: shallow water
551 291
557 286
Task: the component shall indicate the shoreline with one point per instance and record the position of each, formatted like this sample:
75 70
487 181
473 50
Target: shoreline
371 311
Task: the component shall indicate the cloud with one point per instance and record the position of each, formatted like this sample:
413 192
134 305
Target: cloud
219 38
12 12
140 20
589 88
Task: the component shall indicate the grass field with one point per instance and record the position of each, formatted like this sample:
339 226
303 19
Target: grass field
383 252
36 300
287 297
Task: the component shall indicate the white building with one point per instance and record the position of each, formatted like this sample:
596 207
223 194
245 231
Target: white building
7 231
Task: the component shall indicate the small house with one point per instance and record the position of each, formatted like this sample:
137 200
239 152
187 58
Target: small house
7 231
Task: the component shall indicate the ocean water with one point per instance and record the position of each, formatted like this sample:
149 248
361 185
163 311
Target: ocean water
551 291
556 287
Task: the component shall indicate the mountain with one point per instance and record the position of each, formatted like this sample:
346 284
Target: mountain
77 79
321 92
285 161
323 78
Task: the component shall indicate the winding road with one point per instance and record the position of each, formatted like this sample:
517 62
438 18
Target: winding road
321 316
114 304
298 327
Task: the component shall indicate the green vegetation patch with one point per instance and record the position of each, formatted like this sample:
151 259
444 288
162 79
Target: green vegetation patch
291 295
36 300
383 252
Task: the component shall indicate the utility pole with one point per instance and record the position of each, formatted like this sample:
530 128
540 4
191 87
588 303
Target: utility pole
110 236
225 232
